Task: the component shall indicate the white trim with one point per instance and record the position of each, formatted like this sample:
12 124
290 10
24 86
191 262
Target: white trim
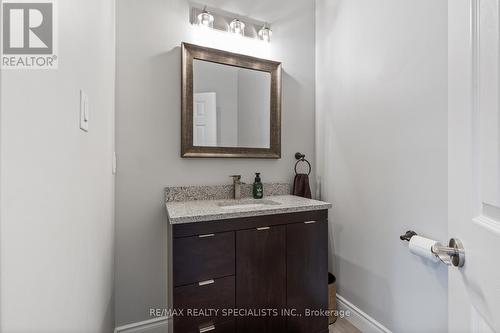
488 224
358 318
160 322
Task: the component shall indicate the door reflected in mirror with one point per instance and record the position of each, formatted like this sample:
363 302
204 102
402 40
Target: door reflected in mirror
231 106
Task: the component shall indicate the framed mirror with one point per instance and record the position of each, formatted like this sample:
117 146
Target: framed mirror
231 104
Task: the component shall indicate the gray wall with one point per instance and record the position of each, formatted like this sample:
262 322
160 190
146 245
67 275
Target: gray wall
149 33
382 152
254 104
243 103
223 80
56 182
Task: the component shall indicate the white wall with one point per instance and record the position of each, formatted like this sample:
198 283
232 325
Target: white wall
57 189
149 34
382 152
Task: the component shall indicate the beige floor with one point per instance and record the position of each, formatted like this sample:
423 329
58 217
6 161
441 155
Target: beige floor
342 325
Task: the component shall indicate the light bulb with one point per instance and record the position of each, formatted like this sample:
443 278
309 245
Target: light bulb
237 27
205 19
265 33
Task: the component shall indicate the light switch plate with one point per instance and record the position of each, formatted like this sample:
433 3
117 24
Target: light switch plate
114 163
84 111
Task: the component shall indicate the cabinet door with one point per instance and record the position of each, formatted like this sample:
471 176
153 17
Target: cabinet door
307 275
261 279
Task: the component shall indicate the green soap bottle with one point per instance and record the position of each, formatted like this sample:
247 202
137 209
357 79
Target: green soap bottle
258 188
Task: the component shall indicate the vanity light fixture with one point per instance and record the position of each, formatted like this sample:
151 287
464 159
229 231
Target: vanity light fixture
234 23
265 33
205 19
237 27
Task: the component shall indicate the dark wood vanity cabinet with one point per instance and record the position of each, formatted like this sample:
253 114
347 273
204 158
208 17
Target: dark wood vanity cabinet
261 278
307 274
266 274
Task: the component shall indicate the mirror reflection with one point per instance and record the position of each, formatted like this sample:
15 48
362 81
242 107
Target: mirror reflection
231 106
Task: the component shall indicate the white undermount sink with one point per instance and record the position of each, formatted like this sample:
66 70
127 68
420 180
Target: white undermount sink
245 204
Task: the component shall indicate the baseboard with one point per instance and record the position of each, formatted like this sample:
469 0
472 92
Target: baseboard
358 318
159 324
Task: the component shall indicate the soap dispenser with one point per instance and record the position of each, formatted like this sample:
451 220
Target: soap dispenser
258 188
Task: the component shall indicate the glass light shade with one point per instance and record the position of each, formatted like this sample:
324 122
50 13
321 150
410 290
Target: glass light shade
237 27
205 19
265 34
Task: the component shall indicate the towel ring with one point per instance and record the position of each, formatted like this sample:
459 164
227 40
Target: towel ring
302 158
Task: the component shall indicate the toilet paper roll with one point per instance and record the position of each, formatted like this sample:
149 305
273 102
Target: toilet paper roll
421 247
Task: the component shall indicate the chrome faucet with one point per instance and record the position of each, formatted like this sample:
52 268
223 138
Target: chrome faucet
237 186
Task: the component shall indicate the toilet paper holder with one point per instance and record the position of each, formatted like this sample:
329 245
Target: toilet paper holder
451 255
408 235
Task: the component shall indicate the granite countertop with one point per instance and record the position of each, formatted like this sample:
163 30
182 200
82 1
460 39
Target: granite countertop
210 210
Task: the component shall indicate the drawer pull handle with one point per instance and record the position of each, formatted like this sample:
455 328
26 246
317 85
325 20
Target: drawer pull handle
263 228
207 329
204 283
206 236
310 222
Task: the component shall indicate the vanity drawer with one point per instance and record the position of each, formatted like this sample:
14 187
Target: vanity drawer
215 294
225 327
203 257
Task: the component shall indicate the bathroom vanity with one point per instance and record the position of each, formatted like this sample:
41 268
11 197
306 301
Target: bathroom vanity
249 265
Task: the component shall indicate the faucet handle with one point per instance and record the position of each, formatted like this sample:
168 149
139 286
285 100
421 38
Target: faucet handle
236 177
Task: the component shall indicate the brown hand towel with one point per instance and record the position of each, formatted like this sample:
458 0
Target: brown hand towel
301 186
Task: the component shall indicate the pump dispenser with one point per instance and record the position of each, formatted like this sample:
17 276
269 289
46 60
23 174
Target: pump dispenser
258 188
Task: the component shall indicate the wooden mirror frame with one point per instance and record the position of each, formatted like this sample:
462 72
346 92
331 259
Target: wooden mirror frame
188 150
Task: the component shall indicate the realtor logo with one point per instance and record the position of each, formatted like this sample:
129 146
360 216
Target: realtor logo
28 35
